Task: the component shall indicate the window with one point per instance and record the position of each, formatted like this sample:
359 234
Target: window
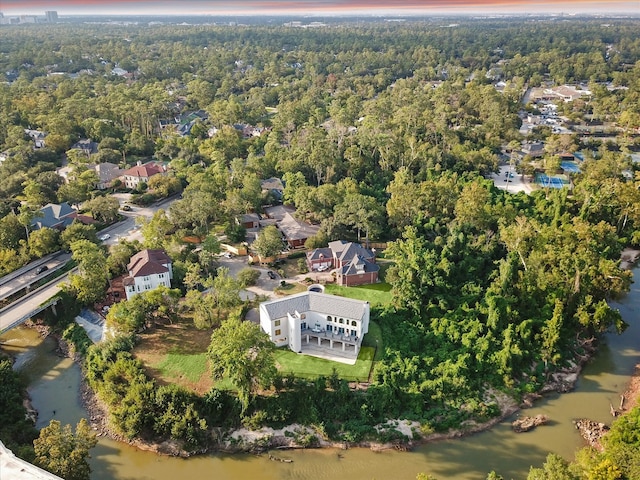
161 275
353 323
278 332
328 318
342 320
329 328
277 323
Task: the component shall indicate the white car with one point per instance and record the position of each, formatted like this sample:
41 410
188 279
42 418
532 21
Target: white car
105 237
322 268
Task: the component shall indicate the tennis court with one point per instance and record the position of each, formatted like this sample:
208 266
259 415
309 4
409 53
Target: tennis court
550 182
570 167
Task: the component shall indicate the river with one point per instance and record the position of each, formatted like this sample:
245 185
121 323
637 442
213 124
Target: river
54 389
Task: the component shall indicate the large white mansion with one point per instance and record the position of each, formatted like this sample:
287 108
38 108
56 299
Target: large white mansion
317 324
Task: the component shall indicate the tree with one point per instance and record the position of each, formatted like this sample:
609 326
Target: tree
81 182
90 282
241 352
63 452
104 209
164 185
269 242
156 229
43 241
78 231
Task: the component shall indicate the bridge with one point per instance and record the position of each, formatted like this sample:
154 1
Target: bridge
31 304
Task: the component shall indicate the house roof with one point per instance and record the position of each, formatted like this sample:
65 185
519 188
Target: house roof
249 217
86 145
294 229
272 183
148 262
107 171
348 250
53 215
315 302
319 253
146 170
359 265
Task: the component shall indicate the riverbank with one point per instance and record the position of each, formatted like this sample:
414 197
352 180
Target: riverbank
300 437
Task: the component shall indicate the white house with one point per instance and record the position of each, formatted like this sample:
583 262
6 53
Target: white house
148 270
141 173
317 324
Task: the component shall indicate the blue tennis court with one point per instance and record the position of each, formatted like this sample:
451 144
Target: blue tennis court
570 167
550 182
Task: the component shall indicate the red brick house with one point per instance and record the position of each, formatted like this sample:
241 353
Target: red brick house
354 264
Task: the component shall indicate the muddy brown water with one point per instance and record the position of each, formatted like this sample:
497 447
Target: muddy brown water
54 385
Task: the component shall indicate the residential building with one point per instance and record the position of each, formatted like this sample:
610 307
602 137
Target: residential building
274 187
107 173
317 324
87 146
249 220
37 136
148 270
295 232
54 215
354 264
141 173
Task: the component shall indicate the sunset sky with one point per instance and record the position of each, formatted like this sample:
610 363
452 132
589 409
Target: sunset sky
314 7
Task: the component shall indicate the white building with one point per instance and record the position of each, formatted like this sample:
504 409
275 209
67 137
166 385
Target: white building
148 270
317 324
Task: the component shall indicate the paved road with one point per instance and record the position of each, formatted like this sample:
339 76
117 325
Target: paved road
127 229
28 274
26 304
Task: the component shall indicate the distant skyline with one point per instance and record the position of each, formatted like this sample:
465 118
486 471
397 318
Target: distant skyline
315 7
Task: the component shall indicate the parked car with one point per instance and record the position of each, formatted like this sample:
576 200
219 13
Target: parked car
105 237
126 208
271 275
322 268
41 268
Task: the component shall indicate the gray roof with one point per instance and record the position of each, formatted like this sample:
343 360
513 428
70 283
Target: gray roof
54 215
319 253
347 250
358 262
272 183
295 230
315 302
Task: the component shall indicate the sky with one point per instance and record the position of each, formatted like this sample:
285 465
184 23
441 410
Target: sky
315 7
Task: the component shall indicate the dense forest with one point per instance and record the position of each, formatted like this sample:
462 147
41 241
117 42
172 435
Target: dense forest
388 132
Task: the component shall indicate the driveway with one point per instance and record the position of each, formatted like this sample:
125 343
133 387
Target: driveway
264 285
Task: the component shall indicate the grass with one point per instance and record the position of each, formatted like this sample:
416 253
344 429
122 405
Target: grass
290 289
375 294
304 366
183 365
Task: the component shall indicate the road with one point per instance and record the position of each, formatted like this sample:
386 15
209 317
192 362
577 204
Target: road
25 305
127 228
27 275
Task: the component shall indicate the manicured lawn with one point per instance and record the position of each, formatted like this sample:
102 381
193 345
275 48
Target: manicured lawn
183 365
375 294
304 366
373 339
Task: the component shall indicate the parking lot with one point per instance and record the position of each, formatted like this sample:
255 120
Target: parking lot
511 181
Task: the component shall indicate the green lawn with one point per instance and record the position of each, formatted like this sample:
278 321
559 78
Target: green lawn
304 366
189 366
375 294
